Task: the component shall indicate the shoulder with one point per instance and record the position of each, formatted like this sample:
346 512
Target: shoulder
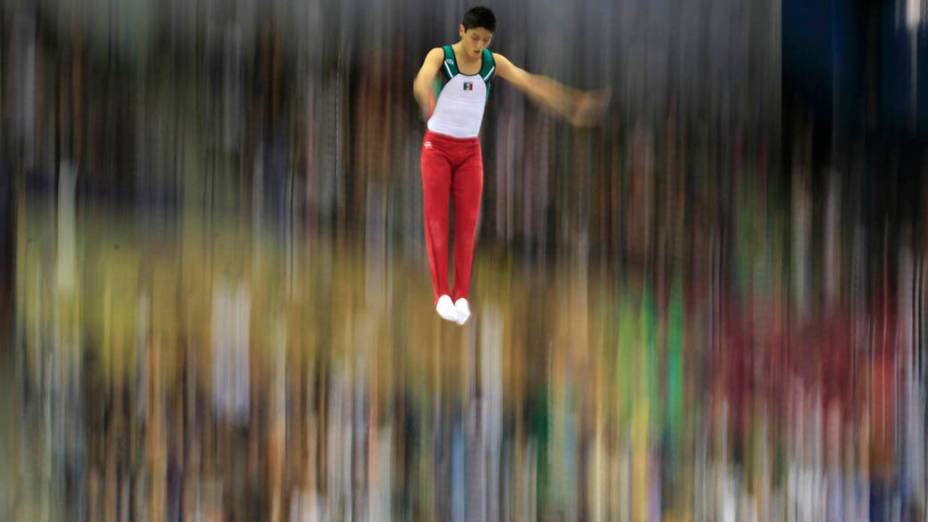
507 70
500 59
433 59
436 53
504 67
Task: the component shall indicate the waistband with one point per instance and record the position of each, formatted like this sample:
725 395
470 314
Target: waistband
437 136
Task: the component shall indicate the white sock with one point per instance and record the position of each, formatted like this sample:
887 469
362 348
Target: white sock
463 309
446 309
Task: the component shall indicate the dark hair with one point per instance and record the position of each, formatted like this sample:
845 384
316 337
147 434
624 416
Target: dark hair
479 17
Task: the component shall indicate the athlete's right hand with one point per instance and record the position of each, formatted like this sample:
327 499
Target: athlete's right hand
427 109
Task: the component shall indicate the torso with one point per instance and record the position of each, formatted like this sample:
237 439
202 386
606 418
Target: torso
462 99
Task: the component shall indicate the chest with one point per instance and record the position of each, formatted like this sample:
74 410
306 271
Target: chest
465 88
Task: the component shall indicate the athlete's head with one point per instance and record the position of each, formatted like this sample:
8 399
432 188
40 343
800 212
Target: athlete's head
476 30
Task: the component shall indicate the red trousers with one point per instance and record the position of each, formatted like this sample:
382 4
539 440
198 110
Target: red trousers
451 167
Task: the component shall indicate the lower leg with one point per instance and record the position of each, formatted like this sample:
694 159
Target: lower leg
467 186
436 184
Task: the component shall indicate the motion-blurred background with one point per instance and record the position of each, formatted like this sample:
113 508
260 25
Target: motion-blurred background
215 302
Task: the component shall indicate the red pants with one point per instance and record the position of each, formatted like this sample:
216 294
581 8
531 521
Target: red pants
451 167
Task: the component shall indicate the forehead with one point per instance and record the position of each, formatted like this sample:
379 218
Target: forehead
479 31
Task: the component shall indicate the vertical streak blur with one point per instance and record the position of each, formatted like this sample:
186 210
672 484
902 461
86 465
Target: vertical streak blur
215 302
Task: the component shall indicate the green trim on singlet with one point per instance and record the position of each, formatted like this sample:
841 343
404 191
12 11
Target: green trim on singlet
488 71
449 69
449 66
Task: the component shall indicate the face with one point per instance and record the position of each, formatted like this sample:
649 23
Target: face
475 40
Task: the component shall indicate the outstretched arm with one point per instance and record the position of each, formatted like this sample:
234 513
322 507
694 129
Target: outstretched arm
422 85
580 108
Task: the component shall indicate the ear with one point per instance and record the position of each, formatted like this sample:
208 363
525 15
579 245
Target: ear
461 30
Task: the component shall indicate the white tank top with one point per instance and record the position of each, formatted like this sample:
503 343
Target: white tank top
461 98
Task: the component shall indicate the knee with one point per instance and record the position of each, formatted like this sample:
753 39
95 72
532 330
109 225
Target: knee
468 218
436 228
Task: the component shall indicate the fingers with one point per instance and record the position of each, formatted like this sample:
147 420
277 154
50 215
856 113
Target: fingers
590 108
428 109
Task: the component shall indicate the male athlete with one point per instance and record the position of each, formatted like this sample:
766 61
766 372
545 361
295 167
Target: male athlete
451 158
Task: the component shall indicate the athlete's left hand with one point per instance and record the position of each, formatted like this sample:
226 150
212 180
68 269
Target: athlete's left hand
590 107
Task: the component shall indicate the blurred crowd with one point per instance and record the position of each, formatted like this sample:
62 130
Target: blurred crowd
205 368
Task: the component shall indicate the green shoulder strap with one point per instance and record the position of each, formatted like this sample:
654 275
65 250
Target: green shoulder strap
450 66
489 68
